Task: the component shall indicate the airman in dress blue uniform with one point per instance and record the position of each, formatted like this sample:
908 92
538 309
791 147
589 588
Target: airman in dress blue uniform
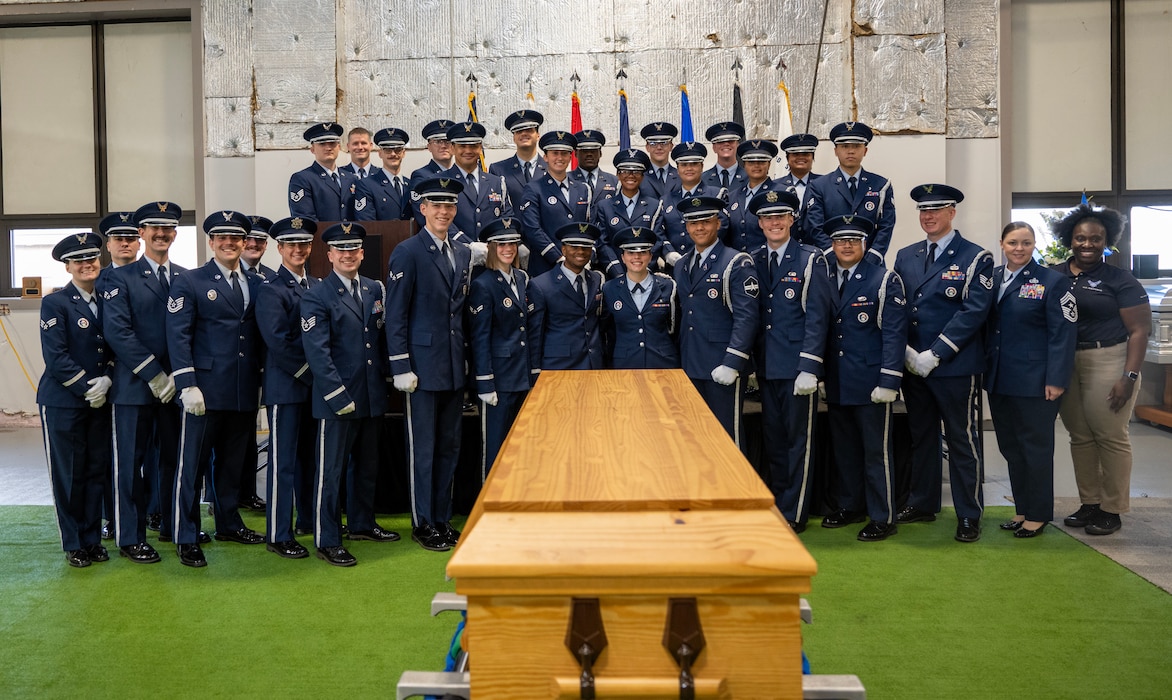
286 390
864 368
322 191
949 283
630 206
385 195
550 202
427 295
659 138
499 317
565 305
799 158
689 158
744 233
602 184
851 190
640 310
145 416
216 350
436 134
342 331
795 307
485 197
727 173
718 291
72 399
527 165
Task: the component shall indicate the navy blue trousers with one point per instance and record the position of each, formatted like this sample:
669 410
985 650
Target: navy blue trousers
77 447
495 422
860 437
727 403
146 449
228 435
787 426
290 473
433 443
349 445
951 401
1025 436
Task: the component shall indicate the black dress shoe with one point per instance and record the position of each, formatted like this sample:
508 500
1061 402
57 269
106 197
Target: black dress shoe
108 530
1024 532
338 556
302 531
914 515
375 534
253 503
875 532
241 536
1081 517
843 518
797 527
203 538
289 549
968 529
97 552
141 553
1104 523
429 538
1012 525
191 555
78 558
450 534
154 521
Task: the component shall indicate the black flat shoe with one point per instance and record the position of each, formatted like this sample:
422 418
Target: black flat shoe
450 534
375 534
241 536
191 555
1012 525
843 518
141 553
429 538
797 527
254 503
875 532
1081 517
154 521
1024 533
1104 523
914 515
968 529
77 558
338 556
289 549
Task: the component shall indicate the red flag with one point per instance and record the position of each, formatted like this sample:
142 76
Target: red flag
575 122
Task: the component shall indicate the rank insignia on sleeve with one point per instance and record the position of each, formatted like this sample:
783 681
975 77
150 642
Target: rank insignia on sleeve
46 325
360 204
110 294
308 323
986 282
297 196
1069 307
174 305
751 287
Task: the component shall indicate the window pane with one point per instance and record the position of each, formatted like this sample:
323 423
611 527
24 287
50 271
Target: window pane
1147 26
150 155
185 250
32 256
1149 233
1061 104
47 120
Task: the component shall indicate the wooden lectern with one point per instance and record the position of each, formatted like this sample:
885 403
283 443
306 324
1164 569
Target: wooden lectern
622 541
381 239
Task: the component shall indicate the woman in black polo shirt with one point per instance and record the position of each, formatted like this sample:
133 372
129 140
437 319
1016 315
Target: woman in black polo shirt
1114 320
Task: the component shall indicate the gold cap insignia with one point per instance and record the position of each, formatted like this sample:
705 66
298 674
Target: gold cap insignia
444 182
161 205
771 197
928 188
81 238
328 125
227 215
636 232
849 218
295 223
124 217
659 126
696 202
346 227
507 223
468 127
561 134
582 228
850 126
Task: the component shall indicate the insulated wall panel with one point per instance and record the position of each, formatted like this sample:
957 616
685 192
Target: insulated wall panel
973 103
900 83
229 127
911 17
227 48
295 53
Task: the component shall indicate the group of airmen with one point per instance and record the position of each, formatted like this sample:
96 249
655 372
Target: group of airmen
525 266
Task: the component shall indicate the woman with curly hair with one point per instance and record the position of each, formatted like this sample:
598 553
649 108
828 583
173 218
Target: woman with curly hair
1114 320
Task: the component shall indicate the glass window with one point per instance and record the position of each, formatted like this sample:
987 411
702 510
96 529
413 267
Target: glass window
1147 55
1150 229
32 256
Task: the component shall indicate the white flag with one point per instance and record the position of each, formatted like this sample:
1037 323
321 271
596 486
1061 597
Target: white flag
785 129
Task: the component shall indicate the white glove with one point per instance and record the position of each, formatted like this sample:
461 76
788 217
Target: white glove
925 362
192 400
523 256
671 257
724 375
479 252
406 382
489 398
822 391
163 387
98 388
909 357
348 408
805 384
881 395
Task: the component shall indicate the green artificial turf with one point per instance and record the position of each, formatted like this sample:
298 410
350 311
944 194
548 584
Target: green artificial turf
917 616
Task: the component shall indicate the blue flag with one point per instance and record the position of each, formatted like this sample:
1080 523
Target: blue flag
624 123
685 116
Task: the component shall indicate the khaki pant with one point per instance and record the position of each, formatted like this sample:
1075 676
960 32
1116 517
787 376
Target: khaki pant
1100 445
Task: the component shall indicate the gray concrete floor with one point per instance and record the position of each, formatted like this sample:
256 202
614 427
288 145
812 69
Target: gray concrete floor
1144 545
